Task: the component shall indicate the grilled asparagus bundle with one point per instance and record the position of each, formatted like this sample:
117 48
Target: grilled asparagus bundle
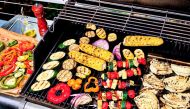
87 60
97 52
142 41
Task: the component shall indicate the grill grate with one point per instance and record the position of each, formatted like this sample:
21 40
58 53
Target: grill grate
127 19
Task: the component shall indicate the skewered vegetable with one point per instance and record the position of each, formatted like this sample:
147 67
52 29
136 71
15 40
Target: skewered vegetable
120 84
84 40
90 34
114 105
87 60
58 93
139 53
112 37
97 52
101 33
57 55
91 26
142 41
41 85
116 51
50 65
64 75
46 75
66 43
69 64
81 99
91 89
128 54
102 44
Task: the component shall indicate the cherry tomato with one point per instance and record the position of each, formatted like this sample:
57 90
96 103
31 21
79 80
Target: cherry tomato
139 71
29 71
104 83
130 73
128 105
142 61
109 95
127 63
119 64
76 86
123 85
119 85
79 81
100 96
131 93
105 105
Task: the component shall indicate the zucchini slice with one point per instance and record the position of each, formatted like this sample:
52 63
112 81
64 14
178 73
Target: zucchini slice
50 65
46 75
41 85
19 73
57 55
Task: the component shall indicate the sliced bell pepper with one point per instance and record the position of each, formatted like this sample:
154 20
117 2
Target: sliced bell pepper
92 89
29 71
7 71
25 46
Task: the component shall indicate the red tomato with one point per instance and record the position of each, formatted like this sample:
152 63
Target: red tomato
130 73
123 85
119 64
128 105
105 105
109 95
104 83
131 93
142 61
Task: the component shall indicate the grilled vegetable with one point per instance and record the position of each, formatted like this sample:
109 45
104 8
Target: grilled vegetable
128 54
84 40
87 60
90 34
91 89
69 64
74 47
81 99
139 53
75 84
116 51
19 73
57 55
12 43
2 46
50 65
80 75
102 44
46 75
142 41
10 82
41 85
66 43
112 37
101 33
97 52
64 75
91 26
84 70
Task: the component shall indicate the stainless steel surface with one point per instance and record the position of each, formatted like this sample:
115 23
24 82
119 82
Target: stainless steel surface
29 105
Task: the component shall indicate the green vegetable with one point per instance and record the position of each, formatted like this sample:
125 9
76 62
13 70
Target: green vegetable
131 64
123 103
12 43
2 46
110 66
124 96
2 83
30 58
19 73
10 82
61 46
46 75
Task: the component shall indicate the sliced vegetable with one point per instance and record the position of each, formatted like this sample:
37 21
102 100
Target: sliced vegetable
2 83
64 75
50 65
91 89
7 71
102 44
41 85
12 43
25 46
2 46
10 82
116 51
57 55
23 58
19 73
66 43
81 99
46 75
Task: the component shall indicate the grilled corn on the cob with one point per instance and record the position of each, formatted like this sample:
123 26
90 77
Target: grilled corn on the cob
97 52
87 60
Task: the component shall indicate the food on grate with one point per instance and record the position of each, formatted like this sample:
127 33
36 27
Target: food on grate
112 84
177 100
160 68
177 83
147 100
74 47
91 26
139 53
112 37
102 44
57 55
97 52
46 75
114 105
75 84
116 95
58 93
150 80
64 75
87 60
84 40
144 89
41 85
90 34
2 46
181 70
142 41
88 88
128 54
101 33
66 43
50 65
81 99
116 51
83 71
69 64
166 107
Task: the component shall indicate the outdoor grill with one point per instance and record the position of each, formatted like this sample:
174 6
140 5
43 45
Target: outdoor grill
122 19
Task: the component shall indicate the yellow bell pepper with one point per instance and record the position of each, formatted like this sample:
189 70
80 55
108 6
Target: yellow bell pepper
23 58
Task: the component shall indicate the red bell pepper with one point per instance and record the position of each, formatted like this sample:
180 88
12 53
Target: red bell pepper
142 61
25 46
29 71
109 95
8 71
105 105
1 63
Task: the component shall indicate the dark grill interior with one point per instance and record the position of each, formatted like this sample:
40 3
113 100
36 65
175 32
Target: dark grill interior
125 20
